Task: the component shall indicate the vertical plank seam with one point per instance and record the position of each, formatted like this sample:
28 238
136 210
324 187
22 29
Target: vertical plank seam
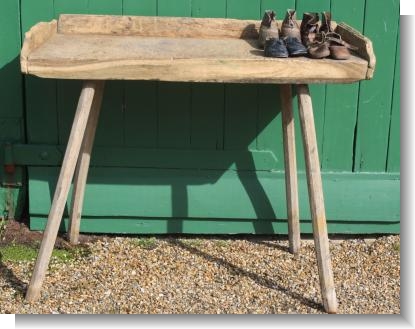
324 124
259 16
224 117
21 24
354 150
219 121
357 158
191 89
257 118
259 9
55 82
383 141
364 18
19 6
157 109
23 79
191 9
124 110
397 43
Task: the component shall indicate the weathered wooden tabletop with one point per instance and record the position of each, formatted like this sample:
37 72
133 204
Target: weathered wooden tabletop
177 49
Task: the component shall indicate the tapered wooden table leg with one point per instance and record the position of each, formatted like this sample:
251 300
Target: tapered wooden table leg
315 193
290 164
82 167
62 189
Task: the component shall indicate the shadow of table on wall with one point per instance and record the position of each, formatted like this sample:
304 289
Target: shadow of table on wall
229 176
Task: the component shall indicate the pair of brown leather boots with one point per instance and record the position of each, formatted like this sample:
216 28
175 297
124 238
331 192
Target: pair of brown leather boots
321 41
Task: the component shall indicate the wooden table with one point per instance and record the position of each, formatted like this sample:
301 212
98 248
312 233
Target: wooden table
98 48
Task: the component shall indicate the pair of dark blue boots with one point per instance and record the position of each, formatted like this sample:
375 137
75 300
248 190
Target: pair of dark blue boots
282 48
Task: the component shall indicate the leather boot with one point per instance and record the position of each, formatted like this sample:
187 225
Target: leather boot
326 22
289 26
275 48
295 47
309 28
339 49
318 50
268 28
330 44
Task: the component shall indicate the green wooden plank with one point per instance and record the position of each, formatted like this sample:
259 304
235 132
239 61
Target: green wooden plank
220 194
156 193
10 78
110 130
207 116
174 102
34 11
381 25
207 99
269 130
67 96
140 98
12 201
136 225
142 7
341 101
243 9
280 7
394 151
298 133
11 130
48 155
110 127
177 8
303 6
70 7
18 22
140 117
10 83
241 112
352 12
339 127
107 7
211 8
41 112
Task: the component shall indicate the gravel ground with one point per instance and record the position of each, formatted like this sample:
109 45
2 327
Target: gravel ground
208 275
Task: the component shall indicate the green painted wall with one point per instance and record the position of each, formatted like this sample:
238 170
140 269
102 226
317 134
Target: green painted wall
12 196
206 158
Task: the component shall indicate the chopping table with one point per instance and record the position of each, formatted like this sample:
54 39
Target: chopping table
98 48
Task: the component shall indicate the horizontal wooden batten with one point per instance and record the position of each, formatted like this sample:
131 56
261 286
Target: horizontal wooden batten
210 194
47 155
135 225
